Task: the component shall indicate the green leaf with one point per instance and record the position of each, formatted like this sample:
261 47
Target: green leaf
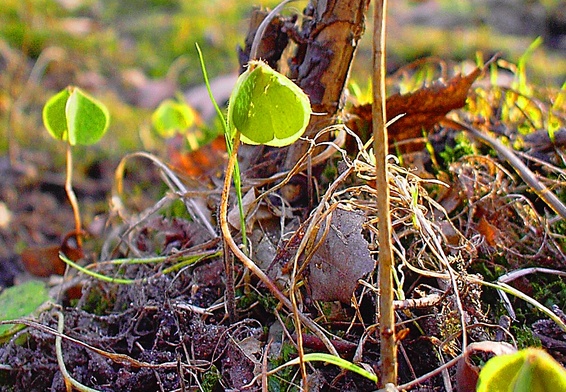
87 119
527 370
54 117
267 107
76 117
20 301
172 117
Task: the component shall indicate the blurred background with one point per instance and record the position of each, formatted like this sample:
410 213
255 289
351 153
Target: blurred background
133 54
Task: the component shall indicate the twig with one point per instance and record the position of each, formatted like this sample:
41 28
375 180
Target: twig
431 374
516 274
416 303
263 26
388 348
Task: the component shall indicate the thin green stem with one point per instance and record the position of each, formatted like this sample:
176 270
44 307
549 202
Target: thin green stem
519 294
328 358
182 261
229 145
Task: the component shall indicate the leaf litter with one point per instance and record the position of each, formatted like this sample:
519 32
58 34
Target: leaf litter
170 325
341 259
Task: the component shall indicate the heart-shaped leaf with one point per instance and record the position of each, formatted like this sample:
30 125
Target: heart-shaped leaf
20 301
530 370
172 117
76 117
267 107
54 116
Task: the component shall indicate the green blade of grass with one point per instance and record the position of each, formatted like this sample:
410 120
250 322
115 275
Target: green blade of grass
328 358
229 146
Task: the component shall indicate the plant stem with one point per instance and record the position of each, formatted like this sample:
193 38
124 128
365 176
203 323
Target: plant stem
230 293
380 145
72 197
248 263
69 381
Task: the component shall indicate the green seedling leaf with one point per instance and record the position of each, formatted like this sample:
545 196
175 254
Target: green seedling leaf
74 116
54 117
530 370
20 301
87 118
172 117
267 107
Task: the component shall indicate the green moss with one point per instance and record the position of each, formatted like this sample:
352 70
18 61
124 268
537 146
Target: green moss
549 290
524 337
282 381
246 299
96 303
210 379
462 148
268 302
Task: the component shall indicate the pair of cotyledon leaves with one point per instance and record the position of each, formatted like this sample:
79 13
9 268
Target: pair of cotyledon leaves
265 107
74 116
172 117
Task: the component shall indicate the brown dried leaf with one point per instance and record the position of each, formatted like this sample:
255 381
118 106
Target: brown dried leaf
341 260
490 232
423 108
44 261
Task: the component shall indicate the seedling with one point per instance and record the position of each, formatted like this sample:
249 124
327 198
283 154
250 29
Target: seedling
264 108
172 117
76 118
527 370
267 108
177 119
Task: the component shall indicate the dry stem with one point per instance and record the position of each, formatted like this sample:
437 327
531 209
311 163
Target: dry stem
386 311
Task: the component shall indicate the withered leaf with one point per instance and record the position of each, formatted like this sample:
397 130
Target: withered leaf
341 260
467 372
200 163
490 231
44 261
423 108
